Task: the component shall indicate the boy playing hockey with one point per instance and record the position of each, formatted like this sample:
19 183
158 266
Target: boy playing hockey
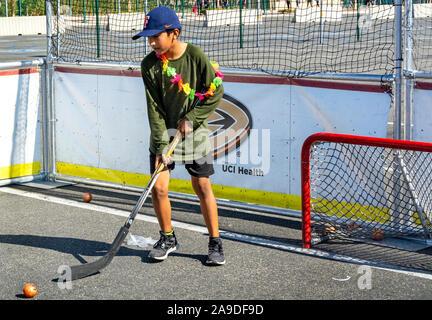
176 73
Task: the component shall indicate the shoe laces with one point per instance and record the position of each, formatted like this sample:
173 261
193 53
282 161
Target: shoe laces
162 241
215 246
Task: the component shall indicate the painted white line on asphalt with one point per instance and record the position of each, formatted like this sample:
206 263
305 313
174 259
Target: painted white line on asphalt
224 234
98 208
322 254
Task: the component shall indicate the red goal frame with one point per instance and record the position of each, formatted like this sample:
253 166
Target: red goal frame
340 138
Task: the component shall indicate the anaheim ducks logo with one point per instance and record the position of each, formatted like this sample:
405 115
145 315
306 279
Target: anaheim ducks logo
229 126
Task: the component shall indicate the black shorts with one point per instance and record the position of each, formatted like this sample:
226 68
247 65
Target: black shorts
200 168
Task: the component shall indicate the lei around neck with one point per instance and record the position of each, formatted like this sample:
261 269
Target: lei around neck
185 87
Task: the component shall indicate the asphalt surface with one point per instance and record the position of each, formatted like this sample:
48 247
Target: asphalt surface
22 48
42 230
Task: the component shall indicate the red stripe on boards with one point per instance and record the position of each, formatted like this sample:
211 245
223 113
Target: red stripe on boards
244 79
18 71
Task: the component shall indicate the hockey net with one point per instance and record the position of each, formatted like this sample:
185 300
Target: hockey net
364 187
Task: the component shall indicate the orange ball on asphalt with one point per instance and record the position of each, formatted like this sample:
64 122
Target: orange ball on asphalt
87 197
30 290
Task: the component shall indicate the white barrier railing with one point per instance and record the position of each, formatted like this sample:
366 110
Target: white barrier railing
232 17
13 26
317 14
126 21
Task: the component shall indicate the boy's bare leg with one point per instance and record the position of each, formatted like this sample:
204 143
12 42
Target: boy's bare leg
203 189
161 202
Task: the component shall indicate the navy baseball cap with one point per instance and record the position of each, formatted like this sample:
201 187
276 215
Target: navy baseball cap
157 20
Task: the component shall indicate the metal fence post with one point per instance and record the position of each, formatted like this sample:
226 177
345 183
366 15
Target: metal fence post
241 24
58 28
409 81
396 187
97 29
44 121
49 144
398 71
258 21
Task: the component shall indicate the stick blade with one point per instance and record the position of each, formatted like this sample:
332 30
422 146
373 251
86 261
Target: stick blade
91 268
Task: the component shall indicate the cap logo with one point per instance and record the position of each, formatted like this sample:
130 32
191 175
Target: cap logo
168 25
146 20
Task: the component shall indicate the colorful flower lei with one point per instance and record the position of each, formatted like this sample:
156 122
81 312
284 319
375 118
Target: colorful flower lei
185 87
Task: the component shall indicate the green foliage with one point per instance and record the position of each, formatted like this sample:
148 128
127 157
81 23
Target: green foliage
28 7
32 7
76 7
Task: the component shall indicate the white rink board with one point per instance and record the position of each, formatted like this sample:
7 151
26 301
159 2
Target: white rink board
19 115
422 110
292 113
102 123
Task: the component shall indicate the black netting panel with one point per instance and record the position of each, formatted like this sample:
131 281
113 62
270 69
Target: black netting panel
368 192
338 36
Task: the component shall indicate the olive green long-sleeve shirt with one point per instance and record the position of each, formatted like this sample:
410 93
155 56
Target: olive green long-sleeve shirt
166 105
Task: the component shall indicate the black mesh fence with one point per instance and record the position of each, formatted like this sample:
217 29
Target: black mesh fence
287 38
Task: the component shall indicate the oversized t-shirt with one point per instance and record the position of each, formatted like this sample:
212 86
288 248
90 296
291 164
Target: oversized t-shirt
166 105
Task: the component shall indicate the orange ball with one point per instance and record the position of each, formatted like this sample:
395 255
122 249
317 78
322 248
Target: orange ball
377 234
352 226
87 197
30 290
330 229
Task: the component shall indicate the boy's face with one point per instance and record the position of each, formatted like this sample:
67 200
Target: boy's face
162 42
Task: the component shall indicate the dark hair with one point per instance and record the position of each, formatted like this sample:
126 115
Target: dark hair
169 31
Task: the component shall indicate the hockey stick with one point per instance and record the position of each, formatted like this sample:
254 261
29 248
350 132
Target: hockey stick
87 269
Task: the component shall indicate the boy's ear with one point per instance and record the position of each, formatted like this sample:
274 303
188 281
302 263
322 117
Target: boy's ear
176 33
